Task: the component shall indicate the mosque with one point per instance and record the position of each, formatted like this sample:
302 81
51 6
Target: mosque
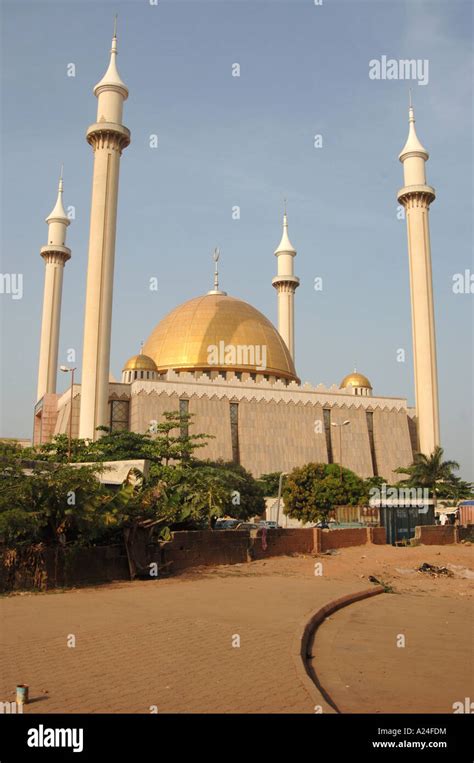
218 358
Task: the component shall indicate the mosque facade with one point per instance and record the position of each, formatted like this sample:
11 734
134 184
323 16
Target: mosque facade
220 359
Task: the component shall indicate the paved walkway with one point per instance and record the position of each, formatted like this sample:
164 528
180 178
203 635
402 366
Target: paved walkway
167 642
358 662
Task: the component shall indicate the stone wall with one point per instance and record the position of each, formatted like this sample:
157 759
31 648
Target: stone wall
279 426
392 442
354 440
146 408
212 416
277 436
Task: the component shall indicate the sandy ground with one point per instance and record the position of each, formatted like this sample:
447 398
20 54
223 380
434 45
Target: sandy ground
171 643
408 651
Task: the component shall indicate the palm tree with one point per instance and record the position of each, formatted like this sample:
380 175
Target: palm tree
430 472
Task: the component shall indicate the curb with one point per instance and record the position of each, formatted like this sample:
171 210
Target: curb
306 631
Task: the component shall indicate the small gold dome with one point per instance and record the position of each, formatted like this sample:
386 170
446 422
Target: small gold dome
140 362
182 340
355 380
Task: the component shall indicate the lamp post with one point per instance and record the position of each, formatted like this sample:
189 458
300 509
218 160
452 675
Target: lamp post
68 370
339 426
280 483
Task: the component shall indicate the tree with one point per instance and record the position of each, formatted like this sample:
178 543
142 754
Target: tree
57 450
311 491
167 441
55 503
244 494
433 473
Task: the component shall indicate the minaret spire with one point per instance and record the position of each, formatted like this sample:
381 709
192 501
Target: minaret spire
111 91
108 137
58 213
416 197
55 255
286 284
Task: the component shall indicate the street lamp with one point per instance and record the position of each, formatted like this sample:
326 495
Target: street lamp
68 370
339 426
280 483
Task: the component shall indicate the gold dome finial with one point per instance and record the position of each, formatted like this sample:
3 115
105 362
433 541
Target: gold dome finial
215 256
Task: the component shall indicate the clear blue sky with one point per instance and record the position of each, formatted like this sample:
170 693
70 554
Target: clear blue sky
248 141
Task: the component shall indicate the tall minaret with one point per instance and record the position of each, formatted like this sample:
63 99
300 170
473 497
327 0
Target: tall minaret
286 284
55 255
108 137
416 196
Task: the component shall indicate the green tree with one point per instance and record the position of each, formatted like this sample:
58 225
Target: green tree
53 503
57 449
433 473
167 441
245 496
311 491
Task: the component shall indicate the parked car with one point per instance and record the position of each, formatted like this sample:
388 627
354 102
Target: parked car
226 524
270 524
245 526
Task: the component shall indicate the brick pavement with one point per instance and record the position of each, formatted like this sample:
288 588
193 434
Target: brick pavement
167 642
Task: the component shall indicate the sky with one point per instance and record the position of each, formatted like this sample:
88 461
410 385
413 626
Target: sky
249 141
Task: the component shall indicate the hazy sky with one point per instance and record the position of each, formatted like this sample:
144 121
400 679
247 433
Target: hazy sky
245 141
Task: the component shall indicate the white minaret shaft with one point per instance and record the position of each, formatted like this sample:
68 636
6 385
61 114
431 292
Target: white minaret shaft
108 137
55 255
286 284
416 197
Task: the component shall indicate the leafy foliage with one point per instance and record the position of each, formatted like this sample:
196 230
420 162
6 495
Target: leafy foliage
45 499
437 475
165 443
244 495
311 491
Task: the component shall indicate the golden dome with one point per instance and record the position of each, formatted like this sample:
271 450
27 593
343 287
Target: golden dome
355 380
216 332
140 362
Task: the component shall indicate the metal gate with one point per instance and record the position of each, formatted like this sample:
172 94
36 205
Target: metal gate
400 521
